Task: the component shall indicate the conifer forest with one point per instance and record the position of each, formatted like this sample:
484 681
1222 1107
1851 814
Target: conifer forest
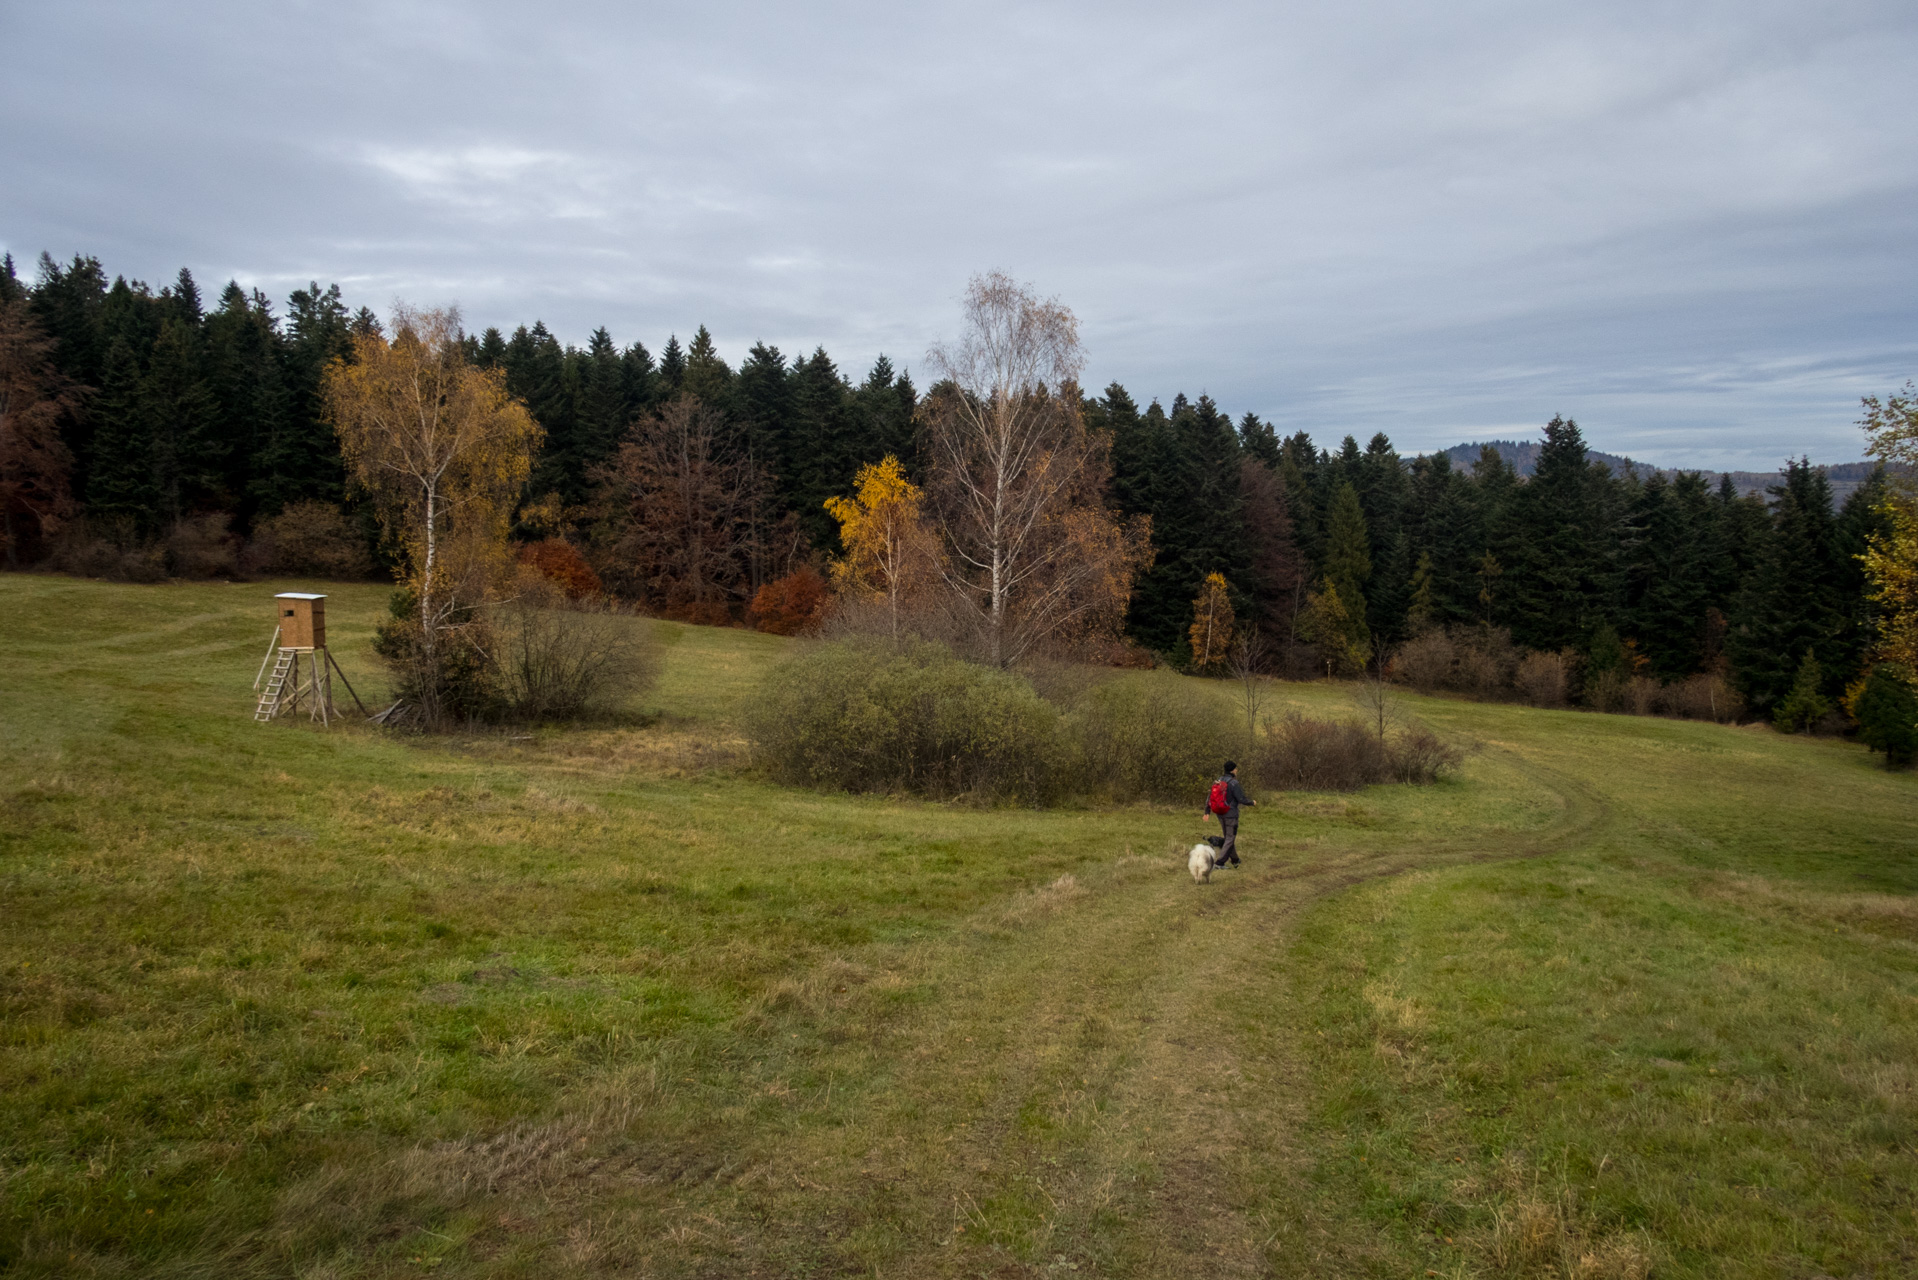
176 428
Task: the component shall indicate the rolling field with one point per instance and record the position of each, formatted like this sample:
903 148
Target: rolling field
1625 997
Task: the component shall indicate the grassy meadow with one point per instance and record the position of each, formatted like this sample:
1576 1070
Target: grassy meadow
1626 997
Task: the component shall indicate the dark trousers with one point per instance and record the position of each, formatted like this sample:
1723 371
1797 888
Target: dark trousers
1229 822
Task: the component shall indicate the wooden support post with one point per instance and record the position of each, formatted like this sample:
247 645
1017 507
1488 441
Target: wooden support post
348 683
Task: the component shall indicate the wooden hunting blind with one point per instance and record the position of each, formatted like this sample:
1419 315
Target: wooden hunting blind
302 620
302 668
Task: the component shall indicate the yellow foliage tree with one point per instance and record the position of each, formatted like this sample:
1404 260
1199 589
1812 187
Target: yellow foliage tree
1212 622
1338 628
887 548
442 449
1891 558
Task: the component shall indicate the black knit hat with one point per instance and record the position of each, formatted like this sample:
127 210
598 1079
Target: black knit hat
1230 765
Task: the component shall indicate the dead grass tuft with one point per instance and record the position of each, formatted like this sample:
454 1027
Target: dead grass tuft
1046 901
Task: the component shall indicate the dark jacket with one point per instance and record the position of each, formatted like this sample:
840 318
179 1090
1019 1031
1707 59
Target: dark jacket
1234 797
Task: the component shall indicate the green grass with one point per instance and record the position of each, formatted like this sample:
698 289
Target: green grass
283 1000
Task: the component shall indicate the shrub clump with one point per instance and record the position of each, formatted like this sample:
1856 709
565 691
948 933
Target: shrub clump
313 539
1129 740
536 656
557 658
1301 754
559 562
791 605
863 716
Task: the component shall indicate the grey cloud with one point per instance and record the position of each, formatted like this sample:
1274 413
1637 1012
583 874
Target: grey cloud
1690 227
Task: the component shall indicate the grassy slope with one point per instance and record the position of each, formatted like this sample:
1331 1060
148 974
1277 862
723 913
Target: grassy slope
281 1000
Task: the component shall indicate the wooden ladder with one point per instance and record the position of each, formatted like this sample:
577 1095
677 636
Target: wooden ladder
276 685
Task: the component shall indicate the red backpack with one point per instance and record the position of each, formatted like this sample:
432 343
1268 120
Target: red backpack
1218 802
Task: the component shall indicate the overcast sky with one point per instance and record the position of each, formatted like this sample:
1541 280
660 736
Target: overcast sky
1691 227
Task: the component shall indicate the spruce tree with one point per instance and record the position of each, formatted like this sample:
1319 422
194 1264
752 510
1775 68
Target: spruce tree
300 458
1258 438
1117 415
124 486
1804 705
1274 571
70 304
1666 572
762 406
490 351
1789 603
184 415
1422 608
536 372
639 381
823 461
1348 556
601 411
1382 487
247 375
1887 713
1442 523
1300 464
707 376
884 404
1865 517
1556 545
672 369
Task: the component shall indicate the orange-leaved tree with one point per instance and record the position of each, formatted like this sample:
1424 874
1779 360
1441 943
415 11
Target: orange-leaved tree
1212 621
888 551
680 500
442 449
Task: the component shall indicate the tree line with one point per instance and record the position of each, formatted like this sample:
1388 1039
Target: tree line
692 486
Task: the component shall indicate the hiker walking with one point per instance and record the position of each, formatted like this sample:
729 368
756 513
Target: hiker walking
1223 804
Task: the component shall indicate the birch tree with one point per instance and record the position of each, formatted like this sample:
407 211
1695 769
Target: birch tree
1015 482
885 540
440 446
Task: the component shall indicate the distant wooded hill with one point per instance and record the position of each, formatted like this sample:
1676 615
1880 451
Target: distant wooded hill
1845 477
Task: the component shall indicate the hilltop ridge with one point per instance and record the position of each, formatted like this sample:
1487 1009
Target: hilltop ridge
1846 477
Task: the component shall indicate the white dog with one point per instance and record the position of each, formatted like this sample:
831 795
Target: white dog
1203 857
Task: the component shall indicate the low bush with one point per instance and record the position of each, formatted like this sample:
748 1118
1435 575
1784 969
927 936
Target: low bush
1301 754
864 716
1129 740
1544 679
556 658
1475 661
1418 756
1706 696
202 547
559 562
791 605
107 549
458 683
311 539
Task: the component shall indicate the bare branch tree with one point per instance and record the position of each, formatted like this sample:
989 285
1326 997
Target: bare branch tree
682 504
1016 483
1376 697
34 463
1246 661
